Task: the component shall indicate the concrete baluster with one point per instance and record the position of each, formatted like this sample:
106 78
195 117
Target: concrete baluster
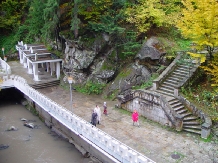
123 150
131 156
142 160
107 143
114 146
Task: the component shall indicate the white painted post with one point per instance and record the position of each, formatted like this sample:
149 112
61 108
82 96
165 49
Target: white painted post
47 66
20 55
35 71
51 66
30 67
58 70
24 62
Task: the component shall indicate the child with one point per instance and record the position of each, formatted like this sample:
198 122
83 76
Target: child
105 108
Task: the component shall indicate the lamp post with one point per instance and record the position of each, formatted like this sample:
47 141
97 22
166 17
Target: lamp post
70 80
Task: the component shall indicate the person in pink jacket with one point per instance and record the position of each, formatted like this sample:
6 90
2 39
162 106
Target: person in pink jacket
135 117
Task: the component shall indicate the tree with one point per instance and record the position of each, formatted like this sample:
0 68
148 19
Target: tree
51 18
149 13
199 22
212 70
11 12
75 20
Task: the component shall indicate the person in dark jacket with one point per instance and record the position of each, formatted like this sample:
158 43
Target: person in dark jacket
94 118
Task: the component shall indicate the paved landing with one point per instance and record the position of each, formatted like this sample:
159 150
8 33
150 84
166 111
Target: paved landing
159 143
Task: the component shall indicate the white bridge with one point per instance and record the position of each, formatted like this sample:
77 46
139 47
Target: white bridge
114 149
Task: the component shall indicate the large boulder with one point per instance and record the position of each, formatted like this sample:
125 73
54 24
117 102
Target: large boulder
151 49
133 75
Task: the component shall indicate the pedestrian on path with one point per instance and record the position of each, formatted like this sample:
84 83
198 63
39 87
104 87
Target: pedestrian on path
105 108
94 118
98 111
135 117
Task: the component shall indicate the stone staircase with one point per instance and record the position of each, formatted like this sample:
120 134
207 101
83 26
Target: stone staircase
191 123
46 84
177 77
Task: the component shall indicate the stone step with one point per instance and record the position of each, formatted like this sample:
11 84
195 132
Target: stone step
45 84
164 93
166 90
173 101
172 81
182 71
176 104
190 118
167 86
176 78
186 114
195 127
182 68
169 83
179 74
182 111
192 131
190 123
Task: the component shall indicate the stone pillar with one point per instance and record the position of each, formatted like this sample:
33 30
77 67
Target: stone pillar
35 71
58 70
179 123
205 130
176 92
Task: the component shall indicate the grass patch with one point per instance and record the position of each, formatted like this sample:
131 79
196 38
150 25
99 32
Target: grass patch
209 139
90 88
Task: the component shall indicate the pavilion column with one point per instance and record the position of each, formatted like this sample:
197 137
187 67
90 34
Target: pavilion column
47 66
52 67
58 70
21 56
24 62
35 71
30 67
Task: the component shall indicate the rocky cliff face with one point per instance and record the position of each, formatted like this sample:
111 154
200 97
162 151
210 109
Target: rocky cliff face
99 63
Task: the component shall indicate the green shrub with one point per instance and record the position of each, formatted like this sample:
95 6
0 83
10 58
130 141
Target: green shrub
91 88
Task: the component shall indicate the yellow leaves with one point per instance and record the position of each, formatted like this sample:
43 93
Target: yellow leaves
144 14
196 55
212 69
199 21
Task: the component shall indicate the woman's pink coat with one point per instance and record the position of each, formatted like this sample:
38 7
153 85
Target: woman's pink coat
135 116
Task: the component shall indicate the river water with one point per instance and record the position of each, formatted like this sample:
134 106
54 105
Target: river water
28 145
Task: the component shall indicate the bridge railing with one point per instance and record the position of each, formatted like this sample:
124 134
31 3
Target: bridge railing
112 146
5 66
